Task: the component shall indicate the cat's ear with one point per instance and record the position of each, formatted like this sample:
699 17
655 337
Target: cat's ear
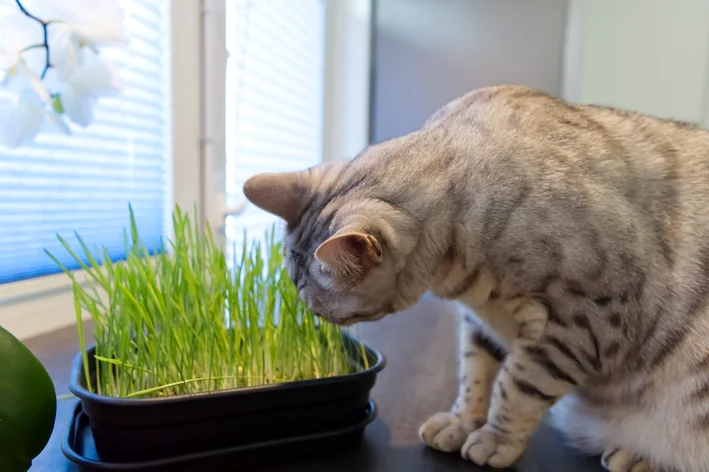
349 253
283 194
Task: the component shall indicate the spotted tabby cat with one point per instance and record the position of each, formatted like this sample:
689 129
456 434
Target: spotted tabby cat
576 239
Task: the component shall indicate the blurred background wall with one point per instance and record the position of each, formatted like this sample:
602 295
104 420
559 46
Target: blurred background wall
425 53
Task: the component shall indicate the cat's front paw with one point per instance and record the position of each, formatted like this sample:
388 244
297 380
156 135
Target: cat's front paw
447 431
618 460
485 446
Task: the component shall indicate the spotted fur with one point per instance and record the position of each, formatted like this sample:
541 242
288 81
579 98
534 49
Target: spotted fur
574 238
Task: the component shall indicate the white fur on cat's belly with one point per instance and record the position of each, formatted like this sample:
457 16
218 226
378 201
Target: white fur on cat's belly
660 435
583 431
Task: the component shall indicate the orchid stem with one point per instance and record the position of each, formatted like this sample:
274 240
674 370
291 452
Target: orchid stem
45 44
34 46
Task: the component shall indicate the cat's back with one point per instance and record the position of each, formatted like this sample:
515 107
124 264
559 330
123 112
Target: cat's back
518 118
519 133
594 178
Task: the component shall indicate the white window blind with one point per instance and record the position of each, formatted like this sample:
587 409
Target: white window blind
274 97
85 182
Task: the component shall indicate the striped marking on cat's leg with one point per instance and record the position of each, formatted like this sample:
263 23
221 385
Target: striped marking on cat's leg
479 364
618 460
530 382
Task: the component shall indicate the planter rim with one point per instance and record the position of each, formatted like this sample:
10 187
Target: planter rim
81 392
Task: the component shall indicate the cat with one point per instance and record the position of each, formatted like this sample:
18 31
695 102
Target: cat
575 240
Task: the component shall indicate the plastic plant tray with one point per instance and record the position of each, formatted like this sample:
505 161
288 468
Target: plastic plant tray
79 447
265 417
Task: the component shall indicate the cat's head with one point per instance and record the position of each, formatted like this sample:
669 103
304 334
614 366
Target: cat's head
340 242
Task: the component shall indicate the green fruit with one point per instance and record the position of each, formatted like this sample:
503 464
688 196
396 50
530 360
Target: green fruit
28 405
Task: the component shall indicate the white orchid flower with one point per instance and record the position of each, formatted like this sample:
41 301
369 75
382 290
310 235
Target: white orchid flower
8 58
23 116
77 24
94 78
94 22
19 122
18 35
21 77
41 77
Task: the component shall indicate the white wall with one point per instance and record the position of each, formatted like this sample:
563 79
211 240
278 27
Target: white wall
428 52
650 56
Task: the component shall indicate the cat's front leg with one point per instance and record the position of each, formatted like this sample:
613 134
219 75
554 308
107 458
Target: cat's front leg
480 360
531 381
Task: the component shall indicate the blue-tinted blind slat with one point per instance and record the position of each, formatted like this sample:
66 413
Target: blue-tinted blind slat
85 182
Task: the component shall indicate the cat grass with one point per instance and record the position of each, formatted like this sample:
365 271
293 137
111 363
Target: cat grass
179 320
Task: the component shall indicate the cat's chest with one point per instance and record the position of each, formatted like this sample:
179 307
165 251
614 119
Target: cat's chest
497 316
482 293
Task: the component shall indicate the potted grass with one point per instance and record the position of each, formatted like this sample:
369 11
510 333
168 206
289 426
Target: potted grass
196 363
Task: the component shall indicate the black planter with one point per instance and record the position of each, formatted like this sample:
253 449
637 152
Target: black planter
160 429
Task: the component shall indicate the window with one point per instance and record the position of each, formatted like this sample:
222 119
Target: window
274 97
283 98
85 181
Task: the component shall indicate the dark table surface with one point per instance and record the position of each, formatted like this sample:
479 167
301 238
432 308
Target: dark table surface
419 380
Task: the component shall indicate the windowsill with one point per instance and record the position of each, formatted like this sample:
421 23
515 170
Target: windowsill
34 307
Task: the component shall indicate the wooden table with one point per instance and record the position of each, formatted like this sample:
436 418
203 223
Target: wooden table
419 380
